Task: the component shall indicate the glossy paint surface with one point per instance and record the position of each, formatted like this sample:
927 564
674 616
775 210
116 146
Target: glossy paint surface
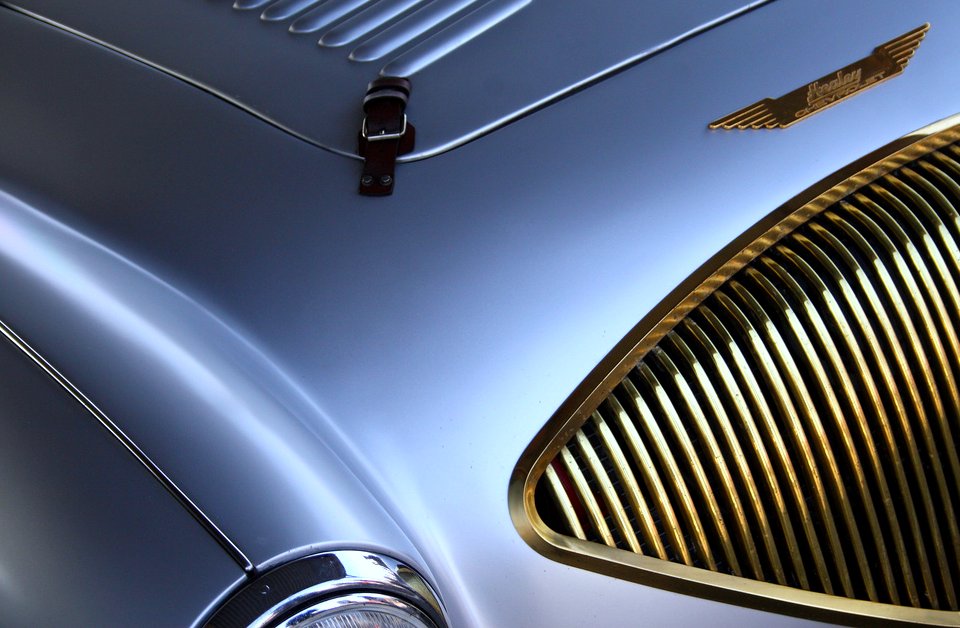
181 384
418 341
78 510
305 65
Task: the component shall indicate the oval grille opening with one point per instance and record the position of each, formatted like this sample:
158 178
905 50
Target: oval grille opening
797 422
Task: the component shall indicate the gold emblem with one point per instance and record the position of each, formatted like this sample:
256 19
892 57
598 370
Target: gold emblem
887 61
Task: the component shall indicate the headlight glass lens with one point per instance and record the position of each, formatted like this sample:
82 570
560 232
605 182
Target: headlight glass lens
360 610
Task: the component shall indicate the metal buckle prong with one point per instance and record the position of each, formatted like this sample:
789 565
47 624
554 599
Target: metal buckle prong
383 135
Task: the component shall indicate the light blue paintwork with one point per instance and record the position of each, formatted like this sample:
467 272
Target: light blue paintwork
485 65
318 369
85 532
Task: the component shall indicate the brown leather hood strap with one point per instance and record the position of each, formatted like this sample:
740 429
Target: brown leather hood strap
385 134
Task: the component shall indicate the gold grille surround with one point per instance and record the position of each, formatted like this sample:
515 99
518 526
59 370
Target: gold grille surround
652 549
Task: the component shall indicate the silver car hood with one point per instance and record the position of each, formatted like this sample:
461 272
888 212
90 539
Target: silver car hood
475 64
320 369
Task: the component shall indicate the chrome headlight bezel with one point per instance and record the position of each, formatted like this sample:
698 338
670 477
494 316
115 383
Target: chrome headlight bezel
313 581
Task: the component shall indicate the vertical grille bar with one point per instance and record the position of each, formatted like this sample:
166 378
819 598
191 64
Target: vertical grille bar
648 528
772 434
831 345
729 437
805 426
753 439
692 463
821 385
585 493
800 424
774 381
651 478
677 482
562 498
891 349
612 502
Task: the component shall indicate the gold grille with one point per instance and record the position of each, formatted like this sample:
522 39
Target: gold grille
795 419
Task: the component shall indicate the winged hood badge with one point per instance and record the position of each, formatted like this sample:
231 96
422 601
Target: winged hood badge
886 61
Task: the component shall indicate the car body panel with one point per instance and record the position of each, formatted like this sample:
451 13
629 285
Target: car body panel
75 500
486 64
424 338
182 385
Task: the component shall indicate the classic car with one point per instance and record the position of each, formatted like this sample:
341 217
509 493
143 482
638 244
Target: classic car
479 313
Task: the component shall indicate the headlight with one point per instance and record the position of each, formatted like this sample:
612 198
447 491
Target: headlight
360 610
343 589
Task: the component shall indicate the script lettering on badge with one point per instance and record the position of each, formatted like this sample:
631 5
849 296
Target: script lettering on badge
886 61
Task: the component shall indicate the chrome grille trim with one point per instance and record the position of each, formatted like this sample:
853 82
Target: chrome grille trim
785 433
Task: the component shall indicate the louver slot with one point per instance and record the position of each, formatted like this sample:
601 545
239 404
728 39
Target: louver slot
377 28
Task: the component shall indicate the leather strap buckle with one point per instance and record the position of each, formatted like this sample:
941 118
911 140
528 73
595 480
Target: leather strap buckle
382 134
385 134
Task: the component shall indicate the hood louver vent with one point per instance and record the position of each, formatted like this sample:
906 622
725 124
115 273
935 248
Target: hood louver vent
796 420
302 65
377 28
